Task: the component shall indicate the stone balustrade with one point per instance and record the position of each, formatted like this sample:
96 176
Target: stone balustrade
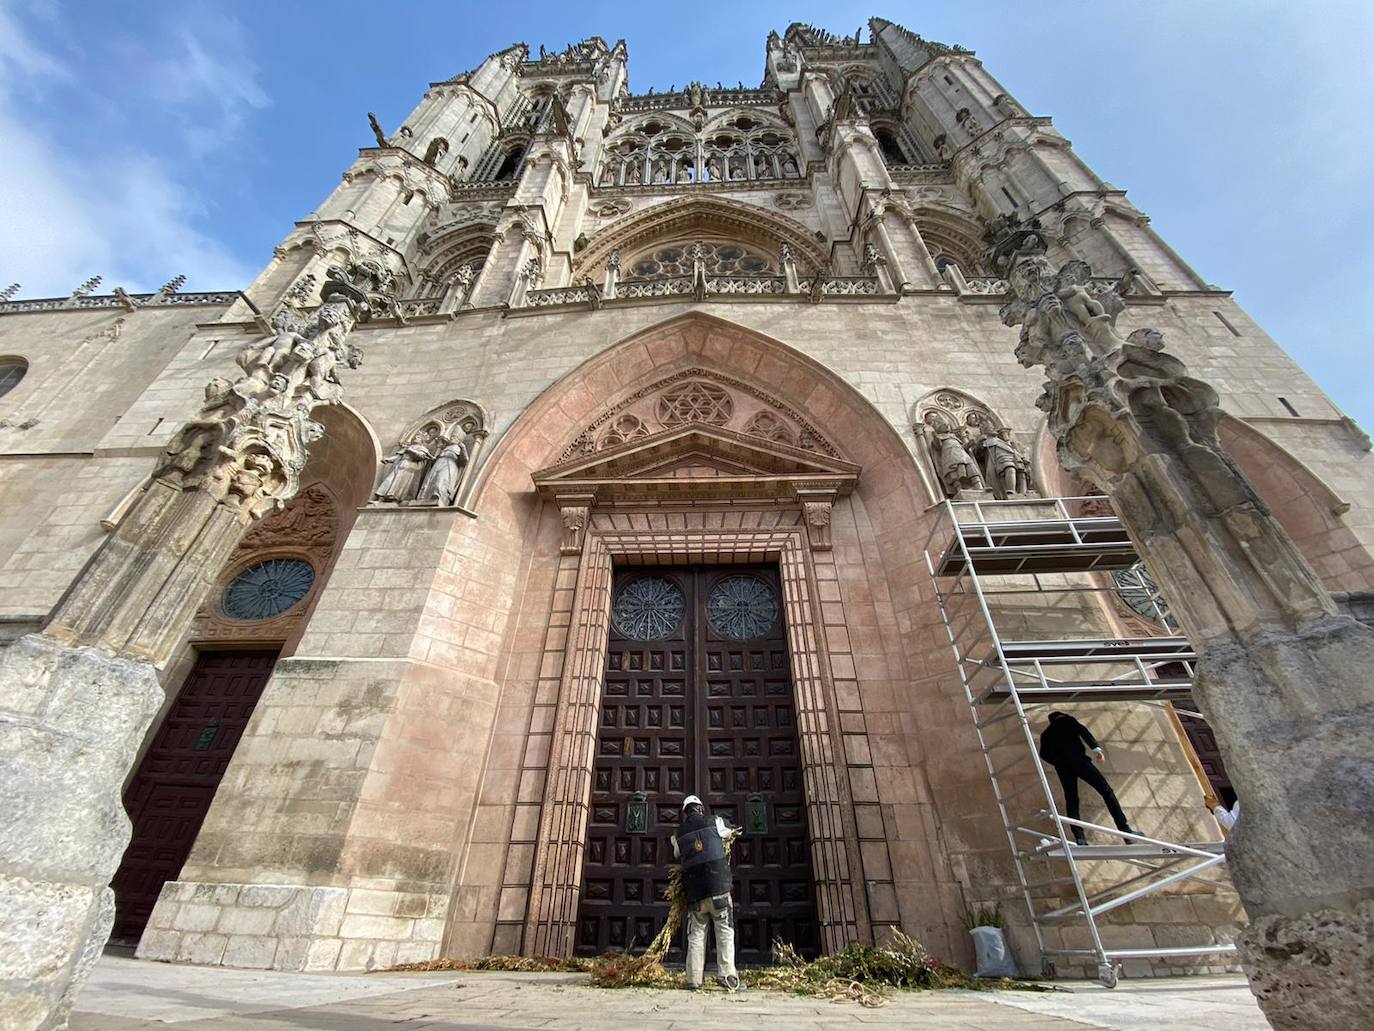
753 286
116 301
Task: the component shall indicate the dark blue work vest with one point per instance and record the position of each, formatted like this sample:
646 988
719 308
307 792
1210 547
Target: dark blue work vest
705 873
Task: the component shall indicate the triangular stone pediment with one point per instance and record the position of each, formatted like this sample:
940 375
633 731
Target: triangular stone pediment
697 461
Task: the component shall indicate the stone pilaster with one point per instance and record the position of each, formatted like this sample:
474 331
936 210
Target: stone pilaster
1282 677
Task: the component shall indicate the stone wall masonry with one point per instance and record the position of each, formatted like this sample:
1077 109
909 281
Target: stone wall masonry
103 358
50 522
293 927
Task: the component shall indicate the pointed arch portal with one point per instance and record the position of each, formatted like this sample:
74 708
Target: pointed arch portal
704 447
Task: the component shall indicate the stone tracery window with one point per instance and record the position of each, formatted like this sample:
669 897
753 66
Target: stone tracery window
695 401
622 428
772 427
722 257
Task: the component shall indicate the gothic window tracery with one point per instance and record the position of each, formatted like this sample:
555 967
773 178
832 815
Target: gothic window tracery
623 428
772 427
722 257
267 589
695 401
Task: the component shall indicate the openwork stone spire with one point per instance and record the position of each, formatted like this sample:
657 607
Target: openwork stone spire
1282 678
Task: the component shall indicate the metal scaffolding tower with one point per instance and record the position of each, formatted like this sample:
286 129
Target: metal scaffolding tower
1027 560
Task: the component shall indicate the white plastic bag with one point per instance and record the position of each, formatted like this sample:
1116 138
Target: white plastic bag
994 958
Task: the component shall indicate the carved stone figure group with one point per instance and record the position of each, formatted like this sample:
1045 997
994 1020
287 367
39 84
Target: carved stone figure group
425 469
977 456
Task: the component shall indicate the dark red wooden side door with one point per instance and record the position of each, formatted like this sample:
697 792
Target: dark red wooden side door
171 792
697 700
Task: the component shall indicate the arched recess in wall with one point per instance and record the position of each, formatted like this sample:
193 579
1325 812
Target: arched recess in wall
308 532
258 608
690 219
1304 505
951 237
12 369
948 409
513 548
435 458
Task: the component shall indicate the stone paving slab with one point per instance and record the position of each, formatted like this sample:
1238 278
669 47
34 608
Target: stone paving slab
132 995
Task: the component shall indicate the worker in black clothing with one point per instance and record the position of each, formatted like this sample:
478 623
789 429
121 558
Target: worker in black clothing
699 845
1062 746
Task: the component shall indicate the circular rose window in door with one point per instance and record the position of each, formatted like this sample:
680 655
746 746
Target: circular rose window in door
649 608
742 608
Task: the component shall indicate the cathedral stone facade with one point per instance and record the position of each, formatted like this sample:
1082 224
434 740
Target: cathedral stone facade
622 494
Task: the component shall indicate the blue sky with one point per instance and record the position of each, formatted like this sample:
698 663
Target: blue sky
142 140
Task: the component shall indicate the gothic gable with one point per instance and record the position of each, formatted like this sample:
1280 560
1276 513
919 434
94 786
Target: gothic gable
699 397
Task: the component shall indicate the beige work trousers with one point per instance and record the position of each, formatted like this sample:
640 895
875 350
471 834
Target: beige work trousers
721 914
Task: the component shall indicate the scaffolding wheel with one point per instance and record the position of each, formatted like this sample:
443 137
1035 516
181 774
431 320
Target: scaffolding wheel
1048 970
1106 973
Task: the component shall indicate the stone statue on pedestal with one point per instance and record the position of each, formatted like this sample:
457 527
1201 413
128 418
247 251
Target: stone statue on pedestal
1004 466
953 463
445 475
409 464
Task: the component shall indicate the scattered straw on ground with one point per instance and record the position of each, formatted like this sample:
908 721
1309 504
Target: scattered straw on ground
515 964
865 974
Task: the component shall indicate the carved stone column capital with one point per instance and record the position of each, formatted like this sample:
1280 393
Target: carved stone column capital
575 510
817 506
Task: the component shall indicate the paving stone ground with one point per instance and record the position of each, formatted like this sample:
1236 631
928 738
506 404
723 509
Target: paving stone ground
125 994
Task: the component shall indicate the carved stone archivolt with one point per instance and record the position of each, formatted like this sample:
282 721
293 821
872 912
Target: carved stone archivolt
701 397
433 461
970 451
750 226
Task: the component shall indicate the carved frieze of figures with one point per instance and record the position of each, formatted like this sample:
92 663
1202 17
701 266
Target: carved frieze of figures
969 449
432 462
250 440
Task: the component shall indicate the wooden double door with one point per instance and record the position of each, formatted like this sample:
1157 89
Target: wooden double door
170 794
697 699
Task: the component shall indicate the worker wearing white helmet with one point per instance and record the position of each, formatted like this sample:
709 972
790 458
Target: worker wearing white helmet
706 880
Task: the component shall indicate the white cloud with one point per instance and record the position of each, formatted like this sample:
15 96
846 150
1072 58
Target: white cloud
77 205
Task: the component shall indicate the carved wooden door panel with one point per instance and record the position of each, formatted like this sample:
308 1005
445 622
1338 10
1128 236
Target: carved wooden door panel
697 700
171 792
643 747
749 758
1205 747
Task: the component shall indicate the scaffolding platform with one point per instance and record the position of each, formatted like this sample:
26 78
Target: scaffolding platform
983 553
1130 669
1061 543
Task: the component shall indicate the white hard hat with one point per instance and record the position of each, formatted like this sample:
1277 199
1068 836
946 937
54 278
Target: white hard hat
690 800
